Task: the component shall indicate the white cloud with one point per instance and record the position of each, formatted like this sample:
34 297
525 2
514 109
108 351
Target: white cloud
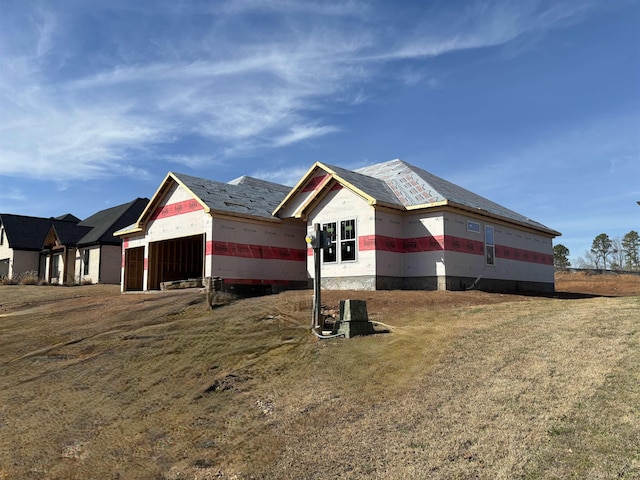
299 133
12 194
285 176
191 161
102 110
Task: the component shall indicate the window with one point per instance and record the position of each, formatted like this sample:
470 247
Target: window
1 235
329 254
85 260
473 226
347 240
55 266
489 246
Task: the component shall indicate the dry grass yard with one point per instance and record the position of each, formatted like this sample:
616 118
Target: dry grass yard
467 385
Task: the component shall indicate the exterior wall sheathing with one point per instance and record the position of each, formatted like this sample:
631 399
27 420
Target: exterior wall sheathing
338 205
432 250
243 252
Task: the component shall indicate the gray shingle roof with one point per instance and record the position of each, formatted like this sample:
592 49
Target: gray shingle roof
373 186
413 186
245 195
69 233
104 223
28 233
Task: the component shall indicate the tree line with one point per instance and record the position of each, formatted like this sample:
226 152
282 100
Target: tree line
605 254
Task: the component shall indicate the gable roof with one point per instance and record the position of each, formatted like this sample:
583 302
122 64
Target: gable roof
66 233
67 217
104 223
28 233
245 197
399 185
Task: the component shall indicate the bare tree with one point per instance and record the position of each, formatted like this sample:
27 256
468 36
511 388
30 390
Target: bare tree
586 261
616 255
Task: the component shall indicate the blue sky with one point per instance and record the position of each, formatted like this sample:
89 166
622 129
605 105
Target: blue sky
532 104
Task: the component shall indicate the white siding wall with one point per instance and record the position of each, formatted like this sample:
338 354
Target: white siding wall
301 196
427 263
340 205
94 261
6 253
389 225
243 237
176 226
465 265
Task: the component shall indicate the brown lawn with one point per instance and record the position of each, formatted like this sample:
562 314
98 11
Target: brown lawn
95 384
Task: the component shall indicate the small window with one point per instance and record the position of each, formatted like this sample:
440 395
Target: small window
55 266
329 254
347 240
1 235
85 260
489 246
473 226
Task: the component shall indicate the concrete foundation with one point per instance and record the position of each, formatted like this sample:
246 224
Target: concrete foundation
370 282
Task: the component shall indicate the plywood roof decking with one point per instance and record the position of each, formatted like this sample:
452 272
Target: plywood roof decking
375 187
245 195
397 184
414 186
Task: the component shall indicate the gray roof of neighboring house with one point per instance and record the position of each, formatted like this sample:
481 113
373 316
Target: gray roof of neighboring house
68 233
413 186
244 195
104 223
67 217
28 233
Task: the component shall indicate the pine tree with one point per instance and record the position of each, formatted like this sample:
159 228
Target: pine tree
561 257
631 248
601 249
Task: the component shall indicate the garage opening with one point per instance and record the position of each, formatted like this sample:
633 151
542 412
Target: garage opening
175 259
133 269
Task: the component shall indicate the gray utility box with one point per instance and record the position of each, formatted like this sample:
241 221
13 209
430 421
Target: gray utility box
354 319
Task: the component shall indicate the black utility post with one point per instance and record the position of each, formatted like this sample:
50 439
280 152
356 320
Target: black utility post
317 242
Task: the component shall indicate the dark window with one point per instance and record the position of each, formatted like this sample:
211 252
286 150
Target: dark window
329 254
55 266
85 260
489 246
347 240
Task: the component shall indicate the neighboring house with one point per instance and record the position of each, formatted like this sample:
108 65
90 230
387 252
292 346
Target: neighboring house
195 228
396 226
87 251
21 240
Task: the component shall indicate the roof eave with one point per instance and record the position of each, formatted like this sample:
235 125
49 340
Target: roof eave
298 186
130 231
227 213
485 213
